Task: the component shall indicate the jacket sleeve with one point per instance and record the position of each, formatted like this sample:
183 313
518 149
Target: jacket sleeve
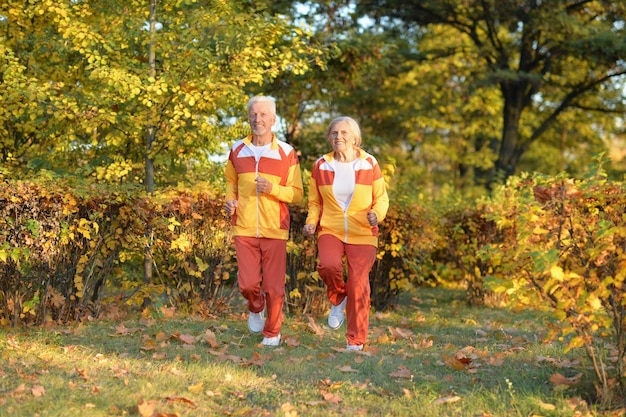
314 201
379 195
231 180
292 191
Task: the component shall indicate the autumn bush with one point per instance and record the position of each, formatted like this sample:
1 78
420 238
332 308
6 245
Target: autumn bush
71 250
58 247
473 250
555 244
569 258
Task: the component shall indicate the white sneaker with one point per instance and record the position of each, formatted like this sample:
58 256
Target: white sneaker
354 347
336 315
256 322
271 341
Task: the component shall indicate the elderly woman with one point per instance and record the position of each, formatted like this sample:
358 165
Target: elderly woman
347 199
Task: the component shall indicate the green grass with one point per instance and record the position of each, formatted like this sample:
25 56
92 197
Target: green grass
408 368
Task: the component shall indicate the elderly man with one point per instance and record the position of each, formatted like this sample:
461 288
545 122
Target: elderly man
262 177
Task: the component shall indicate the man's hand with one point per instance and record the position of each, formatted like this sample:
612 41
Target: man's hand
263 185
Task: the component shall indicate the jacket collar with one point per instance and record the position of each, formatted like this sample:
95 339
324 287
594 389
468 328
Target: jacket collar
273 144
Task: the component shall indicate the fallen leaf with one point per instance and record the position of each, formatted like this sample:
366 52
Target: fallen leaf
291 341
330 397
149 344
211 339
558 379
168 312
330 384
317 329
122 330
546 406
454 362
160 336
18 390
447 399
398 333
146 408
185 338
289 410
256 359
82 373
347 368
38 390
402 372
147 321
197 388
180 400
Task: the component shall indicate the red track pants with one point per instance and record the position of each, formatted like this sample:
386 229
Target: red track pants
262 265
360 259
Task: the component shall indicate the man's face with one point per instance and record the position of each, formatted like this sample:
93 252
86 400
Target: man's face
261 118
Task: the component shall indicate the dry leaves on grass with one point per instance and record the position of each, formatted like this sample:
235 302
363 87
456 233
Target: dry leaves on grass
447 399
316 328
558 379
402 372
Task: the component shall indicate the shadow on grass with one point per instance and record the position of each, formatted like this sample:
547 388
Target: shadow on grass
433 353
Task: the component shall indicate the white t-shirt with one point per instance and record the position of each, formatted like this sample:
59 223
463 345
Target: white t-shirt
258 150
343 184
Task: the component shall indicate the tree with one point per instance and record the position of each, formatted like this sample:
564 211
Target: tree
187 101
158 86
528 50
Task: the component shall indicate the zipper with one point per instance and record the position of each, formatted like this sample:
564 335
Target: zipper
258 208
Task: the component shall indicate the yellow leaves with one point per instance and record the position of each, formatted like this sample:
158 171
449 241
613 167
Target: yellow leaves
182 243
85 227
172 223
556 272
196 388
79 285
115 172
594 302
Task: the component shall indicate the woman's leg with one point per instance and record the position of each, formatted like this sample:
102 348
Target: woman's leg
360 260
330 251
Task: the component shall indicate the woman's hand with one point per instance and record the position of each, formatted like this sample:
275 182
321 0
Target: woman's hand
372 218
308 230
231 207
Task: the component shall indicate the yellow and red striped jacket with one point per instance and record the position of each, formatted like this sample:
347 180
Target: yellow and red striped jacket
259 214
370 194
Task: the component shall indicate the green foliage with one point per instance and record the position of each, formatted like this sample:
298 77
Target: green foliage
80 95
492 80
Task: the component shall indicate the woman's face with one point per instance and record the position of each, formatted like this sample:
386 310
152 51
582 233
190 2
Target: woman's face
341 137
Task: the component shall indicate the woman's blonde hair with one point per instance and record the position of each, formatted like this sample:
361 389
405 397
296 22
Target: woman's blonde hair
353 126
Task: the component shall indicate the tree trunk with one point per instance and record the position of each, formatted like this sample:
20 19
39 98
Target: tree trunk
150 137
510 151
